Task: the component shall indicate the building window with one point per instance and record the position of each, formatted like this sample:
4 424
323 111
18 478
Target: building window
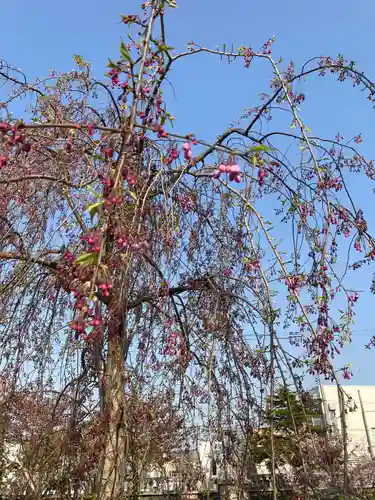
333 420
317 421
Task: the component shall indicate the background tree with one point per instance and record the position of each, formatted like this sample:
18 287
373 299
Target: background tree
295 417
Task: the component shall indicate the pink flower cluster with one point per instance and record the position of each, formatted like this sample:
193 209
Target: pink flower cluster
93 241
13 138
347 374
3 161
107 152
188 154
232 169
173 155
113 74
129 19
86 316
357 246
330 183
129 176
105 288
69 256
352 299
128 243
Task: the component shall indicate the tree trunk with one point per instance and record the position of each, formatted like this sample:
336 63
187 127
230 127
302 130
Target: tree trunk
111 479
3 430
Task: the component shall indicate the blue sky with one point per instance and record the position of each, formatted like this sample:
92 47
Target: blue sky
207 94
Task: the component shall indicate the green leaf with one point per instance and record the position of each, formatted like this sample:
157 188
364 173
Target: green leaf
171 3
93 209
165 48
87 259
94 193
260 147
170 119
124 52
111 64
97 157
80 61
129 21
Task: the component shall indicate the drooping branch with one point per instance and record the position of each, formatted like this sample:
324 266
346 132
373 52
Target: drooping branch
15 180
26 258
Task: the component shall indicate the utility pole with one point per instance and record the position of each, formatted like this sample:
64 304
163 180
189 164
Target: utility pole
327 422
326 415
344 431
371 451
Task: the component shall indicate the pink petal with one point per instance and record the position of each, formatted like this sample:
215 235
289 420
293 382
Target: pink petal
235 169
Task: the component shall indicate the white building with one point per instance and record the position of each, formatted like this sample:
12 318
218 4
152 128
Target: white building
359 415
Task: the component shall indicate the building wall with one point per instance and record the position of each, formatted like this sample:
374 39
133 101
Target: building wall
358 443
170 476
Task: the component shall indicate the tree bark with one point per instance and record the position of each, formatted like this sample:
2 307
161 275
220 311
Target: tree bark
111 481
3 430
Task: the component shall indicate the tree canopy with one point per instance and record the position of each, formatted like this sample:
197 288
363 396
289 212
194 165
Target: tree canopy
148 277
